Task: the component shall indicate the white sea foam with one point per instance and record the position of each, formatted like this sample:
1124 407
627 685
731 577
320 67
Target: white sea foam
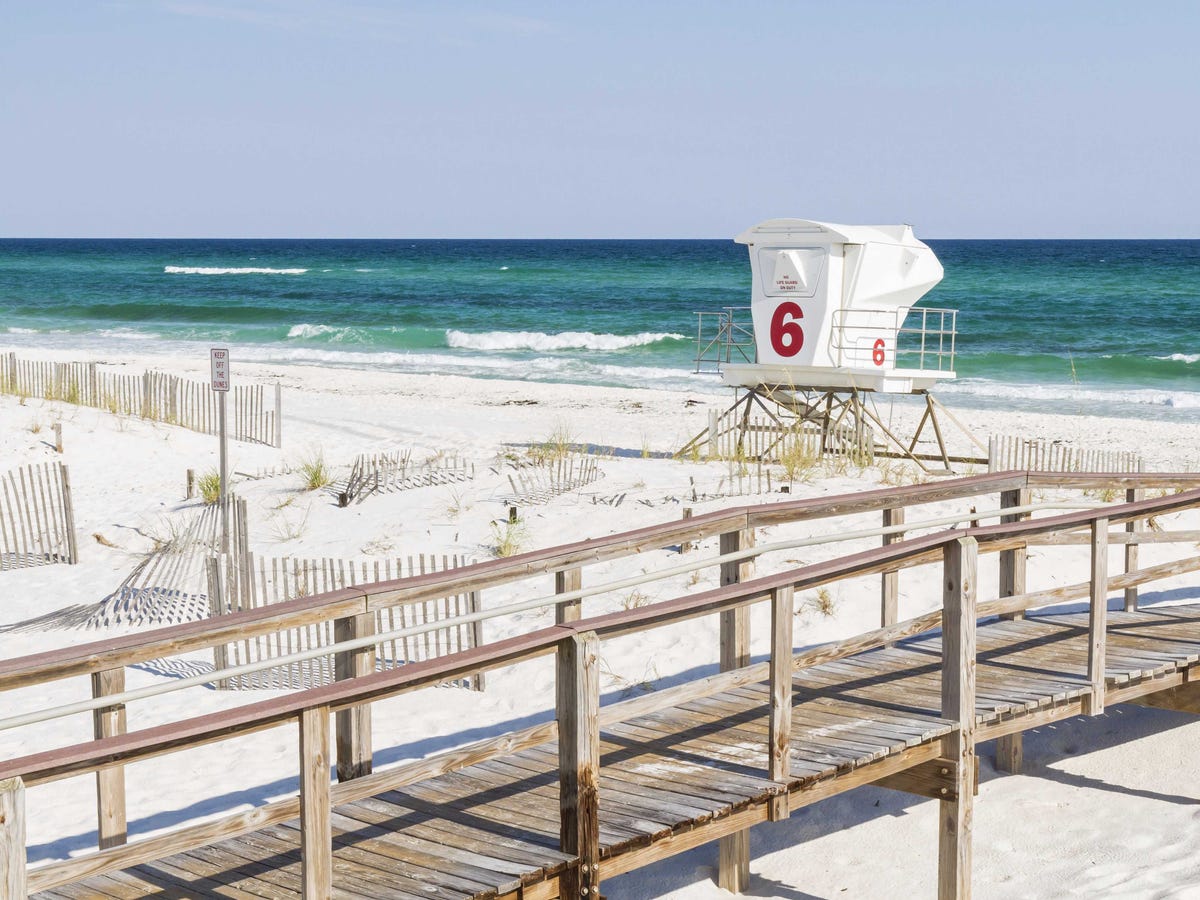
229 270
1068 396
336 335
1188 358
127 334
12 329
567 340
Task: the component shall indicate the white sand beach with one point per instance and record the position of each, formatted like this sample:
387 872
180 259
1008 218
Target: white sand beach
1106 807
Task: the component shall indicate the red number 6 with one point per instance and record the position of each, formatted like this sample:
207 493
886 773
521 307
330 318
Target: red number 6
877 354
787 337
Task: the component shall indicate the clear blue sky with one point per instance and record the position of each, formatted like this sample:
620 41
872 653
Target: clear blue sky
298 118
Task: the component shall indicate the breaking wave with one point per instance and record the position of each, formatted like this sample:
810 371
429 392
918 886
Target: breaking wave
328 332
229 270
567 340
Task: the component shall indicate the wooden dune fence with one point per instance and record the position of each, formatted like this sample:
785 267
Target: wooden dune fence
37 522
170 584
1006 452
255 582
735 436
534 484
151 395
380 472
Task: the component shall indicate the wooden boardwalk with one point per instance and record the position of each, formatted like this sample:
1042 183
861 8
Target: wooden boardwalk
552 809
679 777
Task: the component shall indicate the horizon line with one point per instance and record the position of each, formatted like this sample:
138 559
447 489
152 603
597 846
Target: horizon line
533 238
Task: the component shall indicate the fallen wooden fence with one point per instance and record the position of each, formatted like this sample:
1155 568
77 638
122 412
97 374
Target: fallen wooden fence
536 483
395 471
152 395
170 583
254 583
37 522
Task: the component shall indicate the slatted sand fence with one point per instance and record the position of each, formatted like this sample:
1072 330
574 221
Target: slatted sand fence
170 583
540 482
374 473
37 520
737 435
1008 452
158 396
260 582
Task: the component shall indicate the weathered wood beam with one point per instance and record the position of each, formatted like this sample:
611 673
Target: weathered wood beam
565 581
780 726
1010 751
1133 528
1183 697
353 725
958 705
12 839
316 827
111 826
1097 618
889 605
577 705
1137 536
936 779
733 851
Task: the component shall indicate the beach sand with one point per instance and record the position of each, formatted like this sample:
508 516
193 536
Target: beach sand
1108 806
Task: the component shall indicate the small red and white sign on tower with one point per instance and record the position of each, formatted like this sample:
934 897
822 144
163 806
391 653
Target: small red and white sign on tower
219 358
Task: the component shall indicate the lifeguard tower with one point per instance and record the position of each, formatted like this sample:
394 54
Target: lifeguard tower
832 323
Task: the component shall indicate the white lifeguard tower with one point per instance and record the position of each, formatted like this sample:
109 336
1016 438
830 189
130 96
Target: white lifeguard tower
832 322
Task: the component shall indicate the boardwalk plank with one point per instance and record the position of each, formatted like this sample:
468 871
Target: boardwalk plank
491 829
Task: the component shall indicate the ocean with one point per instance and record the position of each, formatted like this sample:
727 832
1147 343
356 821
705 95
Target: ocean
1063 326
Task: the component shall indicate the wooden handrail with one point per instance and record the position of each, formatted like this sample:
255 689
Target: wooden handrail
120 749
99 656
132 649
83 659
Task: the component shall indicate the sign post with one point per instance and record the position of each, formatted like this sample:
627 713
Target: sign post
219 360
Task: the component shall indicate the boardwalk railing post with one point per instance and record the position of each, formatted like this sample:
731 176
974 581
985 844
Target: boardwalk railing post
781 697
110 783
1097 618
566 581
733 854
1010 748
1013 562
1134 527
577 708
12 839
354 755
316 826
958 705
889 609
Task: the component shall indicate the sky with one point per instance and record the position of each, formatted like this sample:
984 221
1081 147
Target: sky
302 118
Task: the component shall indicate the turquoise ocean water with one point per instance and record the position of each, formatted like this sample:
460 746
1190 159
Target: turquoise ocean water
1069 326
